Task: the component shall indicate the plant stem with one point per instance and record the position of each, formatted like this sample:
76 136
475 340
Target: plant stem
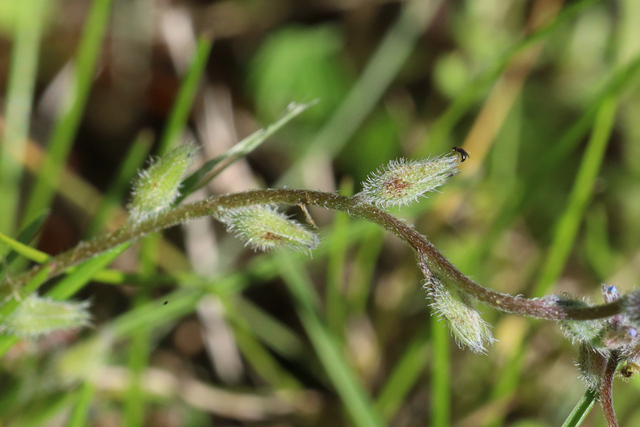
430 260
606 389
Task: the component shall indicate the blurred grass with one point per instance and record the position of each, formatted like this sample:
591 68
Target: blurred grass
22 79
72 110
352 324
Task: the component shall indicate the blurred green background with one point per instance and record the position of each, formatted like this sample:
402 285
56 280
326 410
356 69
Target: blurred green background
543 95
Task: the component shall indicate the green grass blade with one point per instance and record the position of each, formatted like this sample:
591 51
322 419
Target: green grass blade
12 261
80 413
83 273
22 80
598 251
133 160
274 334
261 360
440 374
359 287
567 226
355 399
25 250
336 308
213 167
72 110
19 248
25 237
140 348
478 86
525 191
155 313
187 93
405 374
380 71
582 409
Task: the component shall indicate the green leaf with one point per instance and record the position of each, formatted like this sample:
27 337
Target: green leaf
213 167
83 273
24 250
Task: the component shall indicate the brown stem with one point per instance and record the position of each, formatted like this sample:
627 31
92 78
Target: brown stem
606 390
431 261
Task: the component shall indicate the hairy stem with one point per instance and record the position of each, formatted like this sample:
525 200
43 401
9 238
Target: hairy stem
430 260
606 389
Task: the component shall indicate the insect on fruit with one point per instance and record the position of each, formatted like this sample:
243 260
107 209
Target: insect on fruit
463 153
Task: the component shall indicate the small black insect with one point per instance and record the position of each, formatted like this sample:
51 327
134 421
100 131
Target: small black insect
165 303
463 154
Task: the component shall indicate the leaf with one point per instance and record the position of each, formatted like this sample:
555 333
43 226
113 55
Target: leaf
213 167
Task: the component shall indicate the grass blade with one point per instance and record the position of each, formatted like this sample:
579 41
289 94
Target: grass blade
132 161
582 409
24 250
84 273
440 374
155 313
26 236
72 110
380 71
186 95
213 167
567 226
478 86
354 397
22 80
80 413
405 374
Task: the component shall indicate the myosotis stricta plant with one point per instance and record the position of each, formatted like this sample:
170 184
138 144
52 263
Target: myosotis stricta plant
606 334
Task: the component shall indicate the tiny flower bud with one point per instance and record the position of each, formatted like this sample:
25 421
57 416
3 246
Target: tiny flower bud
464 321
37 316
403 181
263 228
157 186
609 293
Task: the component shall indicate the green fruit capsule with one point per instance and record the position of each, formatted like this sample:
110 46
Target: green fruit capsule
36 316
158 186
262 227
402 182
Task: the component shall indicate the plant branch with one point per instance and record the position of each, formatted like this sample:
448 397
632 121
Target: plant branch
430 260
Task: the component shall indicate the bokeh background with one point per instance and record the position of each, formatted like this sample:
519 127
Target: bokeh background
543 95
